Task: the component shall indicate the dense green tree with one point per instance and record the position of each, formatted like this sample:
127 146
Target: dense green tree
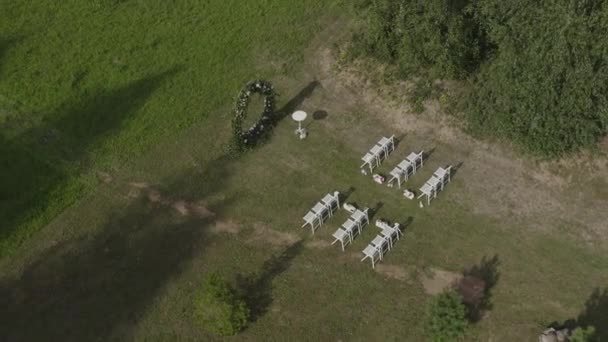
539 68
446 317
439 36
546 86
586 334
218 308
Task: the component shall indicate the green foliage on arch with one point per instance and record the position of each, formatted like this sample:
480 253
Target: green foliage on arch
248 138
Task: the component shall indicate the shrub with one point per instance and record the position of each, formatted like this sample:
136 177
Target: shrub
546 87
446 320
441 36
218 309
586 334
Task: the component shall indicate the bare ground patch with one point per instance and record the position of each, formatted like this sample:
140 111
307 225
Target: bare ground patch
225 226
182 207
318 244
264 235
393 271
438 281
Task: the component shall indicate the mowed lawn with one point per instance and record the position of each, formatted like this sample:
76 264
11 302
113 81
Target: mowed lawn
86 86
124 262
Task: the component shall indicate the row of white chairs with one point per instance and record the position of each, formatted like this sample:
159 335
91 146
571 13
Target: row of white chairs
382 243
351 227
322 210
406 168
377 153
436 183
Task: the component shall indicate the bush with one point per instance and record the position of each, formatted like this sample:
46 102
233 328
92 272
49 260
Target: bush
446 320
539 75
218 308
546 87
583 334
441 37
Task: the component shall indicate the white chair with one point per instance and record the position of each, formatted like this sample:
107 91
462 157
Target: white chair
310 219
378 152
372 253
342 236
321 210
391 235
331 203
369 160
416 158
381 243
351 227
361 217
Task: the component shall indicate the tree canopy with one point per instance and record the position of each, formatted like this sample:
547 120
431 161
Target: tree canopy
446 317
539 69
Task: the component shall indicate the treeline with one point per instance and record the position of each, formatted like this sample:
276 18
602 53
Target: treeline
536 70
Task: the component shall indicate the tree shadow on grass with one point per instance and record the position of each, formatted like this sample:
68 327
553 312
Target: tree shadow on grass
476 287
595 314
295 102
256 289
39 166
98 287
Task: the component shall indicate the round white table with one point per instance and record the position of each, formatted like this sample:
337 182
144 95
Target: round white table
300 116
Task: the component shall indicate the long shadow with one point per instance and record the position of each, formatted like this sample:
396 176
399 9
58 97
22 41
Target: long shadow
99 287
295 102
256 289
39 166
595 314
476 287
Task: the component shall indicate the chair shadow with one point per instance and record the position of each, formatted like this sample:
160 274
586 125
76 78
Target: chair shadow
399 139
374 211
456 168
427 154
405 226
346 194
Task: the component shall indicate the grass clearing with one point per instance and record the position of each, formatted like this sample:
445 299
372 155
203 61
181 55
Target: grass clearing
124 263
87 86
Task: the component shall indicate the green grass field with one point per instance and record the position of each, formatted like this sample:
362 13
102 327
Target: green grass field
86 86
142 91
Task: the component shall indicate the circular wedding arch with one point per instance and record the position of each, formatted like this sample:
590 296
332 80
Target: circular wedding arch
250 137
